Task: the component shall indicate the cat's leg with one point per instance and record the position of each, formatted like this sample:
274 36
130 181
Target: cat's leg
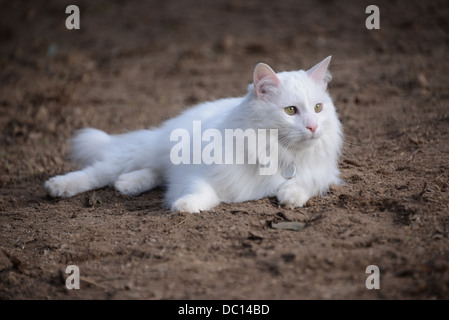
93 177
200 198
292 196
136 182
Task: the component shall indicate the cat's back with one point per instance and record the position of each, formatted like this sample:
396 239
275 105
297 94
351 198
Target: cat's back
211 114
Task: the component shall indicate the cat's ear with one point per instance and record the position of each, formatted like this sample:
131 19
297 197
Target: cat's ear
319 72
265 81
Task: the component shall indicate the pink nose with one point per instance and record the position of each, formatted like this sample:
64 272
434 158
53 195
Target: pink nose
312 127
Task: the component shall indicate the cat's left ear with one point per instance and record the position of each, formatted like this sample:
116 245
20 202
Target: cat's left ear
266 81
319 72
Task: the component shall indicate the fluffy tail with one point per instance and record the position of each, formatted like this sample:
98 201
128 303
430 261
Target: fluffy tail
89 146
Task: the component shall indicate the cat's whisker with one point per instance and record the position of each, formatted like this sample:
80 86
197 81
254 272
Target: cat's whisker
346 141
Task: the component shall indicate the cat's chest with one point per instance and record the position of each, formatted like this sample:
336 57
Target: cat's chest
238 183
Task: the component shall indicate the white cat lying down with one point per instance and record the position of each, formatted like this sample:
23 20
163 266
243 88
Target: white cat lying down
307 146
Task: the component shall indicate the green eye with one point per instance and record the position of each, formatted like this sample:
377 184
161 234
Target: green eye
290 110
318 107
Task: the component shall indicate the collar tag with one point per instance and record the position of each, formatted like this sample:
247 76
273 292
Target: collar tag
289 172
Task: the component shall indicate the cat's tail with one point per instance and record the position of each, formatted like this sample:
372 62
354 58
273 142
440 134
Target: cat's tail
89 146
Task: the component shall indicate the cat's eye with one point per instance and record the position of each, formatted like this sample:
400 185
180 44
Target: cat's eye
318 107
290 110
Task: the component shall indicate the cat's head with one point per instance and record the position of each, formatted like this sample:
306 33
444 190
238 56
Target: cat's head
296 103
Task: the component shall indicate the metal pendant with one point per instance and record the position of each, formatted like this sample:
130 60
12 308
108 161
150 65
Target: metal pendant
289 172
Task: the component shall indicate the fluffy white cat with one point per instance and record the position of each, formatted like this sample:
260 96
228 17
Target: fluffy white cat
295 103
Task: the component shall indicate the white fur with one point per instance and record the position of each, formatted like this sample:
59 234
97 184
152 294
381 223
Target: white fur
138 161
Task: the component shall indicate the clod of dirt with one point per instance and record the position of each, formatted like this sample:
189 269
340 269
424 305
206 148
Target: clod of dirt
254 236
422 80
93 200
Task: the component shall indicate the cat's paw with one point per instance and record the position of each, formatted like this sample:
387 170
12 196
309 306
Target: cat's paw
61 187
136 182
128 186
189 203
292 196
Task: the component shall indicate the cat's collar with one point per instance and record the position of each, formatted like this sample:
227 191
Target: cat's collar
288 172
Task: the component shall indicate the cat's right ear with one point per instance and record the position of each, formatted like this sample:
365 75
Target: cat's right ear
265 81
319 72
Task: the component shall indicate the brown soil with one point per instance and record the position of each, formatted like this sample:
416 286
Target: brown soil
134 64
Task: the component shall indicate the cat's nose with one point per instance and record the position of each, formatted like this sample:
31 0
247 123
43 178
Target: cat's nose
312 127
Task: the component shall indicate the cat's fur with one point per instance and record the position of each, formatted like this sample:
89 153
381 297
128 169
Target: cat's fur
139 161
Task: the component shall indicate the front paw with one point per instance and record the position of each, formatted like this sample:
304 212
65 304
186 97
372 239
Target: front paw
189 203
292 196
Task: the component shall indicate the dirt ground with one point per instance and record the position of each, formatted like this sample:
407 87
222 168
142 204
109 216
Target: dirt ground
134 64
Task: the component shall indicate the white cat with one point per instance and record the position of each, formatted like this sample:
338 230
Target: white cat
295 103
